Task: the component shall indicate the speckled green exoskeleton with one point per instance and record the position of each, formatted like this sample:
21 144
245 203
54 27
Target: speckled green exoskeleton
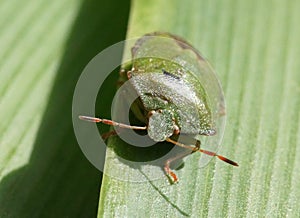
167 74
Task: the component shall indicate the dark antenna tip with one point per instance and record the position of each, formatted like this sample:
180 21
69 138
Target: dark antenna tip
227 160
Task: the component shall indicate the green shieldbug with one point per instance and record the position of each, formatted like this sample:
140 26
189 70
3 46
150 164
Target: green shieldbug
174 84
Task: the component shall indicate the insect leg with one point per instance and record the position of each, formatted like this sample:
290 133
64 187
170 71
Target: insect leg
172 176
108 134
167 169
197 146
111 123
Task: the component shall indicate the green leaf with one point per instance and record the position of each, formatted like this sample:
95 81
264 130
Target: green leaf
44 48
254 47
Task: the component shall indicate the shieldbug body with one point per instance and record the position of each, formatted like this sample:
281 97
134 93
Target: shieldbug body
174 84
